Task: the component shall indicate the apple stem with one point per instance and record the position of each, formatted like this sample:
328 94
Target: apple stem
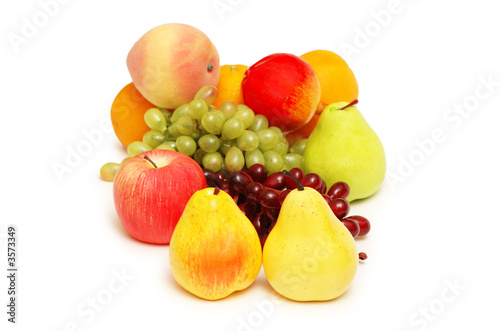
352 103
362 256
150 161
216 190
300 187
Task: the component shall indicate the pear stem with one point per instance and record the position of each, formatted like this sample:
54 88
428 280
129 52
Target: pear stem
300 187
352 103
150 161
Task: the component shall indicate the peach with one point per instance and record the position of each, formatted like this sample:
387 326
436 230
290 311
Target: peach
284 88
171 62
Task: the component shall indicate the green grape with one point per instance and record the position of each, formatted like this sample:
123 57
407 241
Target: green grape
299 146
153 138
155 119
213 121
109 170
166 145
281 148
234 161
125 159
213 161
167 113
245 115
186 145
254 157
197 108
248 141
171 143
268 138
278 131
137 147
232 129
292 160
260 122
207 93
274 161
186 125
225 145
198 155
173 131
178 112
209 143
228 108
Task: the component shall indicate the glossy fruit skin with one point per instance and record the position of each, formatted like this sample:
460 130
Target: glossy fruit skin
127 114
343 147
314 260
148 200
337 80
215 249
363 223
284 88
229 86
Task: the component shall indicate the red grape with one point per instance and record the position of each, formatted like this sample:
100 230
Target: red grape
248 209
364 224
212 178
258 223
253 190
276 180
297 173
258 172
270 198
283 195
238 181
340 207
339 190
271 213
351 225
326 197
312 180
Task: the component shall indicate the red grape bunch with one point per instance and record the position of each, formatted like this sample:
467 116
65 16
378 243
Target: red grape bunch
260 196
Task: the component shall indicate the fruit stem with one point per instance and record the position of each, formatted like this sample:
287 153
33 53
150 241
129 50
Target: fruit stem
150 161
362 256
216 190
300 187
352 103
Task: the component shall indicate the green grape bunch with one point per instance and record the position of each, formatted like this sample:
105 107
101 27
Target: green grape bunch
227 139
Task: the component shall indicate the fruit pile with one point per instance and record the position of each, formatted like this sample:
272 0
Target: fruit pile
238 167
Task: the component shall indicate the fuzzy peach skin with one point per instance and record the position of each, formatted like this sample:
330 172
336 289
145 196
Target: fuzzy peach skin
171 62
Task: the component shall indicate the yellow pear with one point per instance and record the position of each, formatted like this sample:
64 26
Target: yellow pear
309 254
215 250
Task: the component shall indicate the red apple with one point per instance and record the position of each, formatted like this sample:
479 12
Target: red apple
284 88
151 190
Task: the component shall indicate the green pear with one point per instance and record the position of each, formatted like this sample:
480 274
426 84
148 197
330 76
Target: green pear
343 147
309 254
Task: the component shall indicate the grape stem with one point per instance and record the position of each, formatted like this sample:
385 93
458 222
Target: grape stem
300 187
352 103
150 161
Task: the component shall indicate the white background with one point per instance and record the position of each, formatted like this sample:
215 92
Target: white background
432 252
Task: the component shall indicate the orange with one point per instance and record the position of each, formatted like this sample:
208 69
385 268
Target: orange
229 86
127 115
335 77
